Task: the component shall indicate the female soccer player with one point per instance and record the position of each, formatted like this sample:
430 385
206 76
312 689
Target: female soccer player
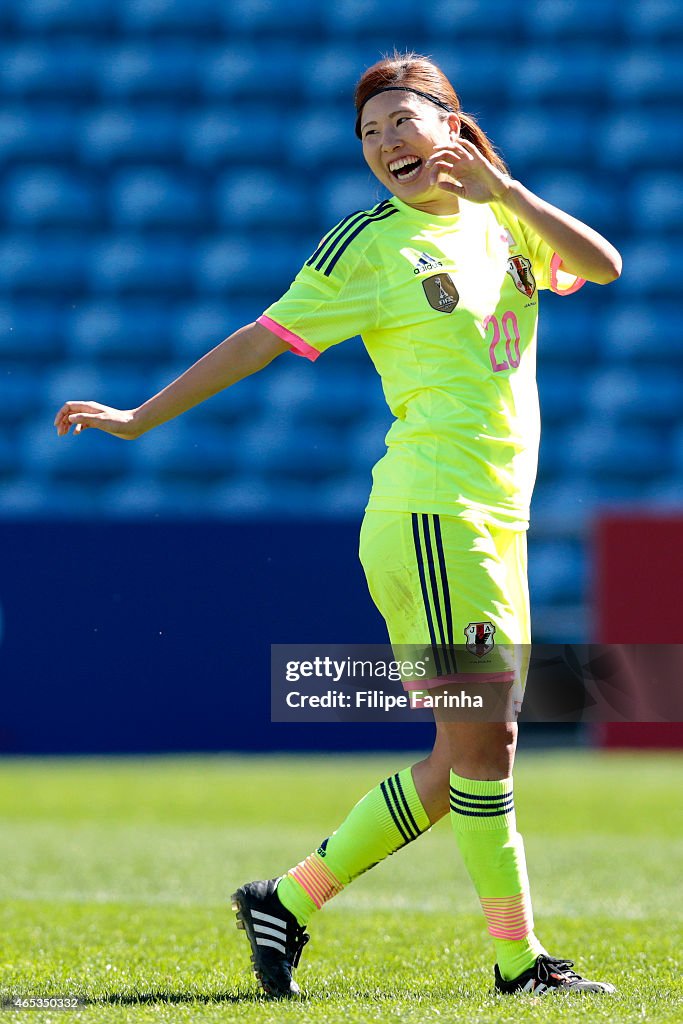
442 282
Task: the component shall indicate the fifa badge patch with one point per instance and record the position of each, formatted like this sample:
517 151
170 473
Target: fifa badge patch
479 636
519 269
441 293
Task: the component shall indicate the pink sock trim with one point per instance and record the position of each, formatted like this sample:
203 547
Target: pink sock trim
316 879
508 917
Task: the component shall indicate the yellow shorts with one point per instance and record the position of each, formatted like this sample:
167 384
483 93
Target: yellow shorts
455 588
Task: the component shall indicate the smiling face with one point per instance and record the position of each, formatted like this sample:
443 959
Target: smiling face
400 131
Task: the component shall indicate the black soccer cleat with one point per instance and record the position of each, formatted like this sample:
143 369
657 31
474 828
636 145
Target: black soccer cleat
550 974
275 936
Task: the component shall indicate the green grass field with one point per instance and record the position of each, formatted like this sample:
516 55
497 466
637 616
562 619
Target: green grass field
116 876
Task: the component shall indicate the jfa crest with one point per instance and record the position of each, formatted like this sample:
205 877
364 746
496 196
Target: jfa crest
519 269
479 637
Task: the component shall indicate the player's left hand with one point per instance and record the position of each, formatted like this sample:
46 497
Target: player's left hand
465 172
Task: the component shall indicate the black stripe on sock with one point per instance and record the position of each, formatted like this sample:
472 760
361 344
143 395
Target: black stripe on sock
404 812
392 812
407 809
435 591
502 808
481 814
425 594
480 796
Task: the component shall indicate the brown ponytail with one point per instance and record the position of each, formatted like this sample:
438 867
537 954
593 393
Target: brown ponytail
413 71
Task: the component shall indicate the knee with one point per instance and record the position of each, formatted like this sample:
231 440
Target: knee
486 753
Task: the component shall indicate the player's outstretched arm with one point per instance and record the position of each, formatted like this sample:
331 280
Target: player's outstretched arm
243 353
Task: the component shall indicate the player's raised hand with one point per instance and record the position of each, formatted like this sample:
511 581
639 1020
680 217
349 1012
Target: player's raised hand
462 170
80 415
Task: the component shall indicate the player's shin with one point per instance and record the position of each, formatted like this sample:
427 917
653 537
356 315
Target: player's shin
388 818
483 819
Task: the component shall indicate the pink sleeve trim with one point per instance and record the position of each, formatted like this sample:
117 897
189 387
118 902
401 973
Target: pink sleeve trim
555 264
301 347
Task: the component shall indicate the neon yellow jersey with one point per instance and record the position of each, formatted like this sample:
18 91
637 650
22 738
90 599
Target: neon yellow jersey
447 307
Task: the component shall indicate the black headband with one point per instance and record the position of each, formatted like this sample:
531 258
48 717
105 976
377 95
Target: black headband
402 88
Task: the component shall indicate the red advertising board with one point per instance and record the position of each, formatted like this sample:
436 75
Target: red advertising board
637 600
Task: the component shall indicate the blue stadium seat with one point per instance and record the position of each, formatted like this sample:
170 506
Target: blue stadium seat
255 196
562 392
50 69
347 498
642 331
160 17
574 19
52 16
570 73
10 459
248 72
535 137
642 75
91 459
451 24
365 445
27 498
634 139
245 497
259 19
637 395
31 332
289 385
73 382
161 69
19 392
154 197
656 20
337 401
130 264
132 333
611 451
186 450
651 267
223 137
557 571
562 506
198 326
246 268
37 132
354 18
332 72
342 194
677 451
323 139
131 134
478 71
666 494
55 264
595 199
566 331
657 202
201 325
51 196
282 453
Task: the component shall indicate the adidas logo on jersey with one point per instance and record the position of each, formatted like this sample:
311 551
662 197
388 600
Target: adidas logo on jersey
426 262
